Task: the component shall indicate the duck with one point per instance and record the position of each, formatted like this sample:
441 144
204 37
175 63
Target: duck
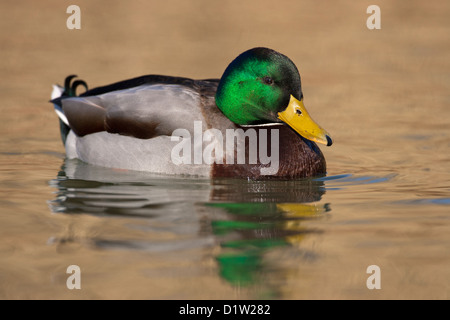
251 123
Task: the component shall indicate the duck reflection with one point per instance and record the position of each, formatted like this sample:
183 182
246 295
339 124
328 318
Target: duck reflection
260 216
243 219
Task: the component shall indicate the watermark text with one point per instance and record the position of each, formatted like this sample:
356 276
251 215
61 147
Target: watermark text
211 146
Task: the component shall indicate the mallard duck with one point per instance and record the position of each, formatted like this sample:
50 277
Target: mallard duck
250 123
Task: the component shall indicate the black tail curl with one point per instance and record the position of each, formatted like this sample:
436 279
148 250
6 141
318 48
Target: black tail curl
70 89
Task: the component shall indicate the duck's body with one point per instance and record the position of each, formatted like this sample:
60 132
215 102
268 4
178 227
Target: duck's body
173 125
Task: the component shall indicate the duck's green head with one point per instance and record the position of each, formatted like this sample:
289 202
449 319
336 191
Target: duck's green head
263 86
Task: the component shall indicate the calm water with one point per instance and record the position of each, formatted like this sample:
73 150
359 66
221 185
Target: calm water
385 200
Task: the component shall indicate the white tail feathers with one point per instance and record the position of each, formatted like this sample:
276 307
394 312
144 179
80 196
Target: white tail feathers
56 93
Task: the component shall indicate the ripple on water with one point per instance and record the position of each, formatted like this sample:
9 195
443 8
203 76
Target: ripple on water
438 201
338 182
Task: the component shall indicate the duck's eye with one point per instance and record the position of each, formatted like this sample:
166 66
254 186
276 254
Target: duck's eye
268 80
298 111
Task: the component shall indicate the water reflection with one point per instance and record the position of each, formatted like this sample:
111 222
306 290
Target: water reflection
252 229
241 220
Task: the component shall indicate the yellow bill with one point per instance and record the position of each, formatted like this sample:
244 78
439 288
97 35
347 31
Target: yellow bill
296 116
